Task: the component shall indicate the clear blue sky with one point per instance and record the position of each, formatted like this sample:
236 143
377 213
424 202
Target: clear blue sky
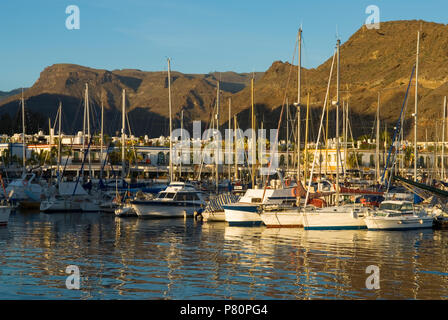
200 36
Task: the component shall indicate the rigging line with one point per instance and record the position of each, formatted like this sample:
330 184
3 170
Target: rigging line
401 133
305 59
281 114
84 160
395 132
72 129
94 116
320 129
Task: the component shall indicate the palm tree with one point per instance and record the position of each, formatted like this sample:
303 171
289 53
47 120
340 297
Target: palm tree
354 159
384 135
409 156
364 138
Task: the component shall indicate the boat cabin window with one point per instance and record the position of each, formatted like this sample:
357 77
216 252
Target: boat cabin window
161 195
407 207
256 200
394 214
186 196
390 206
169 195
192 196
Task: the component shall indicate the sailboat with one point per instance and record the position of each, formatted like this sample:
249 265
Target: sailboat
68 196
337 217
26 191
348 216
284 215
179 199
93 202
246 212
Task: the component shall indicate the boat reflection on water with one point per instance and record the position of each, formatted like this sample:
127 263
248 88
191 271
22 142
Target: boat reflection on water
5 236
327 264
130 258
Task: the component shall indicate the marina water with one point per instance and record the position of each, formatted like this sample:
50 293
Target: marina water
131 258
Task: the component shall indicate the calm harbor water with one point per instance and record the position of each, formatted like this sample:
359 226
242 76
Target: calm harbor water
131 258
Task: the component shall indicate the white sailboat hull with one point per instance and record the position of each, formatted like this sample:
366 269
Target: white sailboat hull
242 214
334 219
60 205
90 206
164 211
398 223
283 219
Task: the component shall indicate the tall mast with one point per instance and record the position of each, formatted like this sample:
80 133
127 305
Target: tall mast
306 136
235 147
171 124
337 123
102 137
416 108
254 135
345 139
400 149
59 142
50 131
217 144
287 137
84 119
299 89
123 128
88 133
377 152
84 127
181 141
320 129
344 116
443 139
228 148
23 135
51 137
327 106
